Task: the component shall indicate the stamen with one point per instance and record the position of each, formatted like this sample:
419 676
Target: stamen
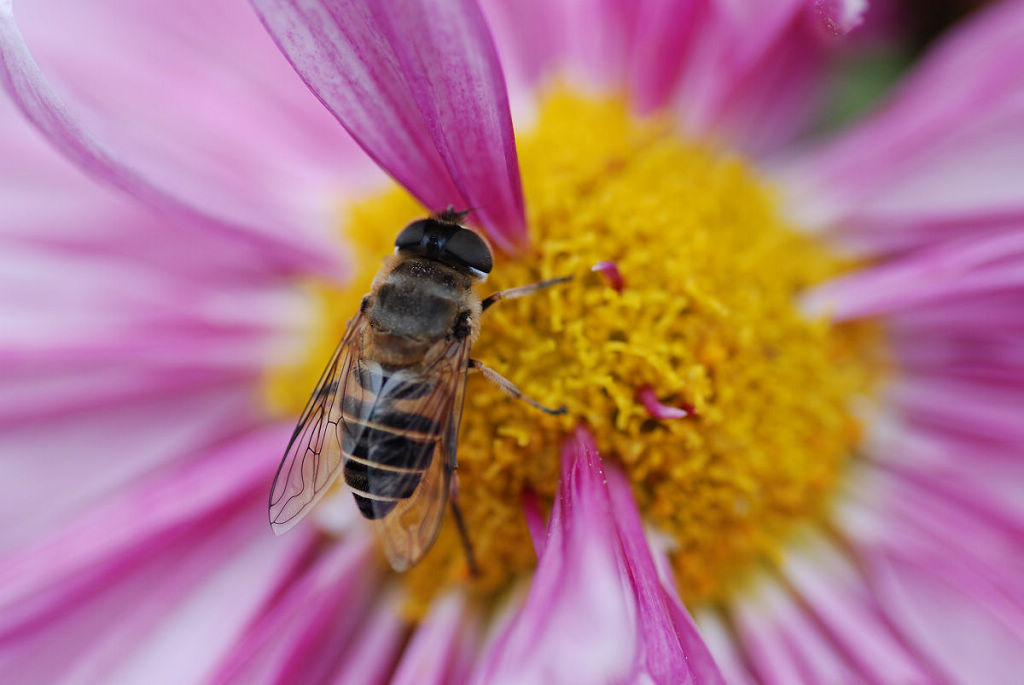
610 270
656 409
710 314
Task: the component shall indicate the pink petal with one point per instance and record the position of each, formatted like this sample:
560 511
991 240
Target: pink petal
68 313
85 358
190 597
596 592
76 461
109 587
925 603
596 38
746 72
419 85
371 656
782 642
944 559
54 571
203 621
993 316
749 73
839 16
666 34
577 621
52 208
838 602
941 487
725 647
301 633
656 409
956 269
991 413
975 394
117 317
764 644
433 652
586 43
932 156
526 35
671 637
194 314
611 273
148 164
604 46
754 74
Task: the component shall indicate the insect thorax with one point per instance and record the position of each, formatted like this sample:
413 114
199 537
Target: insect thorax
415 304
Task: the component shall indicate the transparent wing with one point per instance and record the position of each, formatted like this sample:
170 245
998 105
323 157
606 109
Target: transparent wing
409 527
313 458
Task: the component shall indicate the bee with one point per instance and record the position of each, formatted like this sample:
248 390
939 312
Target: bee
386 411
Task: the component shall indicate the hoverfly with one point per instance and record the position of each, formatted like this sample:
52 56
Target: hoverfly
386 411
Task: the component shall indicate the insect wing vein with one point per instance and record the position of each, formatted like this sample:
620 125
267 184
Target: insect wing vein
312 460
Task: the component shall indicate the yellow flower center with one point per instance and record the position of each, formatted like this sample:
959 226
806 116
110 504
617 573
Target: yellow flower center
707 321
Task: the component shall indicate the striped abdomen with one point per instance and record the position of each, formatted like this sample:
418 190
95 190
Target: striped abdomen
387 441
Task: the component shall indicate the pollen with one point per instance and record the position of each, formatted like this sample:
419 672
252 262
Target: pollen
678 344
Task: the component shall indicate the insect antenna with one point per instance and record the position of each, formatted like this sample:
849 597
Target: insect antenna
451 216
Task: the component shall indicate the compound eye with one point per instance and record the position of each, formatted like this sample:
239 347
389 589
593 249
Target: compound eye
470 249
411 235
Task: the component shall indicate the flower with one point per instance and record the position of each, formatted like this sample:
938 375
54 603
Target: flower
147 300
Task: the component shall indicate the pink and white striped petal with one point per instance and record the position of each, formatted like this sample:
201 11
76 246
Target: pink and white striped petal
117 317
124 582
925 599
122 120
754 74
189 598
81 318
670 635
51 207
665 35
371 655
745 72
944 557
418 84
725 648
839 603
302 632
527 39
65 465
957 269
107 334
596 582
934 161
781 642
51 573
439 647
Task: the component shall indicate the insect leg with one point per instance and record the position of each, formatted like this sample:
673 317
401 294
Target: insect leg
521 291
508 388
467 546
